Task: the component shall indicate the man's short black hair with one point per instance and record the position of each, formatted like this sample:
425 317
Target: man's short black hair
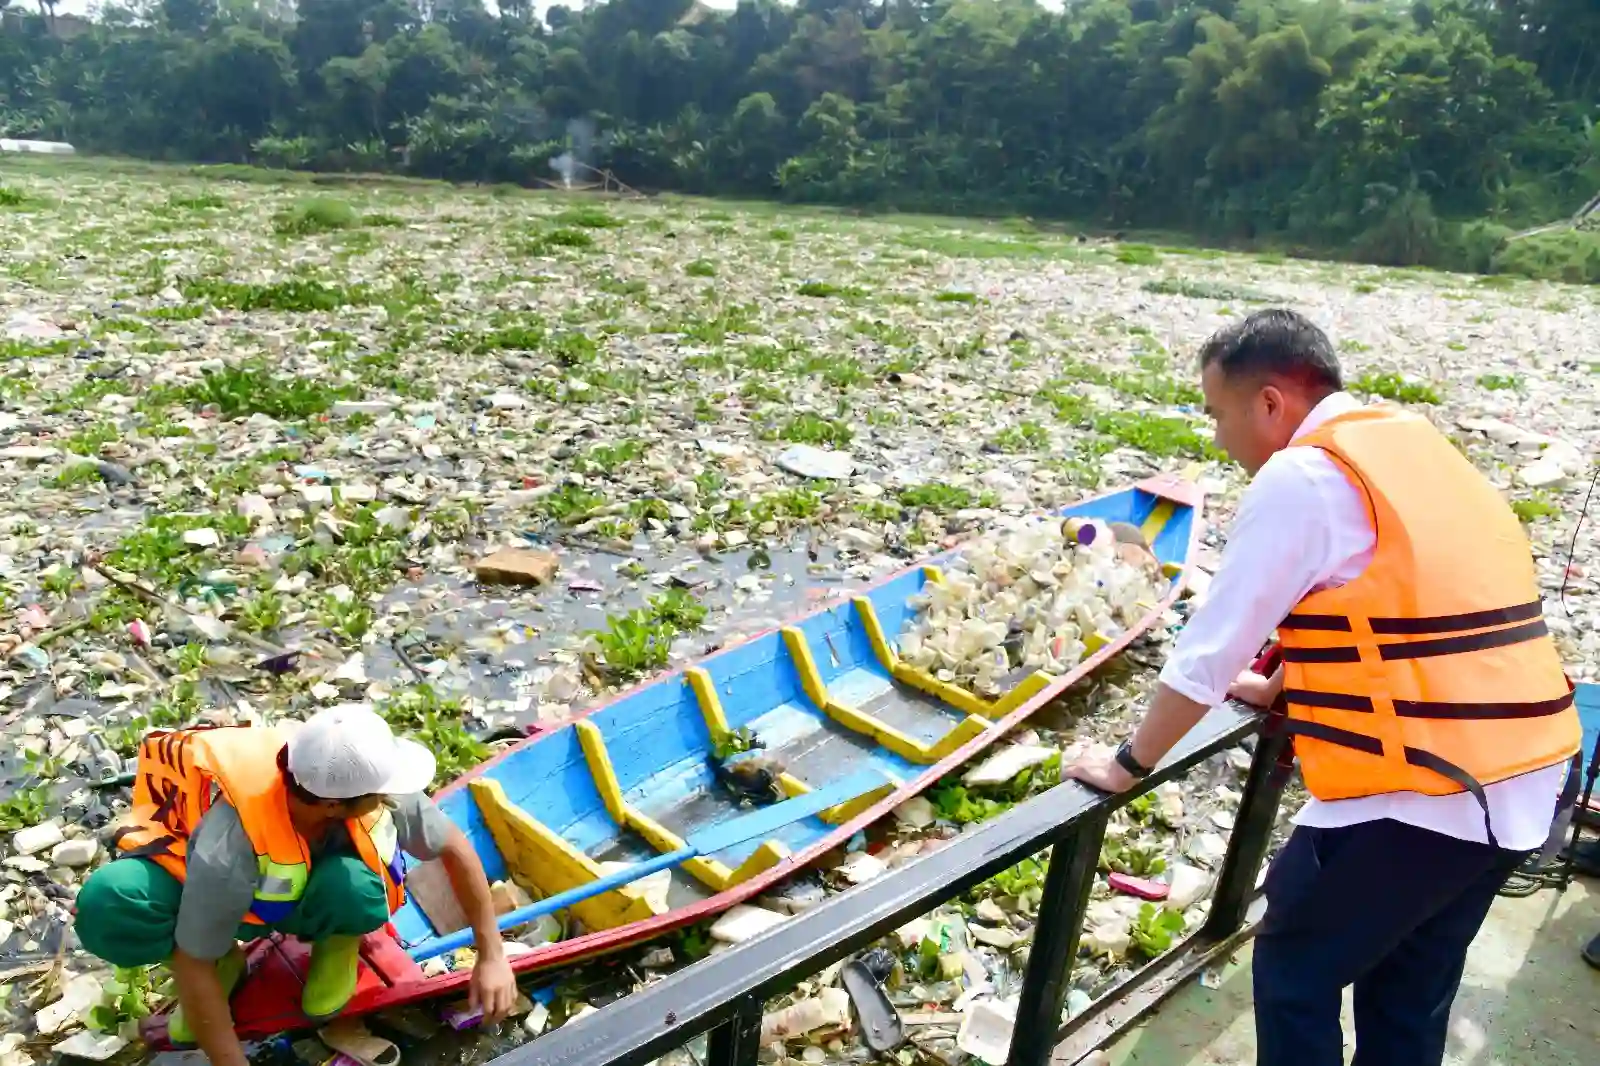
298 791
1275 343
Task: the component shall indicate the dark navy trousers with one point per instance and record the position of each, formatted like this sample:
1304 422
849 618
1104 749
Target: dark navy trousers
1386 907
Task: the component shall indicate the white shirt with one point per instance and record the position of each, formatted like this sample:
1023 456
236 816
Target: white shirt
1303 526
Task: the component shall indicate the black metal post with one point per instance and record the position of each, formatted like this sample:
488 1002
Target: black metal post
1074 862
736 1041
1248 843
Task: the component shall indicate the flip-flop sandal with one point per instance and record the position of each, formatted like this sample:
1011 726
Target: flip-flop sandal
353 1039
881 1027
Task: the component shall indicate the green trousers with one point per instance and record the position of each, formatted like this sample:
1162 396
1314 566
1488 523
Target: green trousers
127 910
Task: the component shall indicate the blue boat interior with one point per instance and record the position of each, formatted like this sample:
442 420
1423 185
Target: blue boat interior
826 697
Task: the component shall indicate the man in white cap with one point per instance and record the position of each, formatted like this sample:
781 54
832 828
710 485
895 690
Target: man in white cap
237 832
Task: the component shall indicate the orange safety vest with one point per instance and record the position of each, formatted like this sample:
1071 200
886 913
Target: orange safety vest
174 789
1433 671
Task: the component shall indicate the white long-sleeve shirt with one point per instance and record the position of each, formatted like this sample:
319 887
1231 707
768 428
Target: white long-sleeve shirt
1303 526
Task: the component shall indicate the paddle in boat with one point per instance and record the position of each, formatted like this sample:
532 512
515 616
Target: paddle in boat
585 815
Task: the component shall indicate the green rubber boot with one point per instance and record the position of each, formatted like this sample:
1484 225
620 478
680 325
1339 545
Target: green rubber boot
230 969
331 978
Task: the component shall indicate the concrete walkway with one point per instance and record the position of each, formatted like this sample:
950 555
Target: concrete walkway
1528 998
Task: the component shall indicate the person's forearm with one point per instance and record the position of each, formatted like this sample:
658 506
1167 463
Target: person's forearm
471 886
205 1008
1274 685
1169 718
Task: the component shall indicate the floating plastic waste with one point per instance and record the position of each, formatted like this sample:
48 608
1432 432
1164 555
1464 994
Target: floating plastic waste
1031 596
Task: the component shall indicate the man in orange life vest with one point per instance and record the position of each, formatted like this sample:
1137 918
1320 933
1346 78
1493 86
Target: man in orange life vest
238 832
1430 714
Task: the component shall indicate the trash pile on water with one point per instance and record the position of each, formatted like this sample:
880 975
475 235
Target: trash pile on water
476 459
1036 594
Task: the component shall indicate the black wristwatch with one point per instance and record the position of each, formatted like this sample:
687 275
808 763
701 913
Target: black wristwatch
1126 760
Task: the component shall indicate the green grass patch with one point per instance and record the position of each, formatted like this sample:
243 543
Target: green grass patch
90 439
1500 382
635 643
588 217
610 283
250 388
609 458
1392 386
943 499
679 608
955 297
1137 255
76 476
701 268
22 349
177 313
24 808
976 246
526 336
825 290
296 295
316 215
814 429
1156 435
1205 290
550 241
569 504
156 551
125 325
1559 255
1023 437
1145 384
1532 509
200 201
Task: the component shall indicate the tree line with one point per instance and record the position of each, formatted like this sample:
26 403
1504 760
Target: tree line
1400 133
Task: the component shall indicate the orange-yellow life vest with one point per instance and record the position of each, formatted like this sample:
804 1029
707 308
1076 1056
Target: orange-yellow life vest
174 789
1433 671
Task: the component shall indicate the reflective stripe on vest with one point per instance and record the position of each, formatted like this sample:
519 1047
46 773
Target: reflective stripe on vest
179 773
278 889
1433 671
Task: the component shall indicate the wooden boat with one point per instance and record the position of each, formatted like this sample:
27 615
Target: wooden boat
630 778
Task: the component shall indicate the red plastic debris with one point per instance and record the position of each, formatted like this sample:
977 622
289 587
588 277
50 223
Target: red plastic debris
1138 886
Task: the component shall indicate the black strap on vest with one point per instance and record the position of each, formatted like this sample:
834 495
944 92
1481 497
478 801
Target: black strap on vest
1281 722
1455 623
1423 649
1494 638
148 850
1437 623
1345 701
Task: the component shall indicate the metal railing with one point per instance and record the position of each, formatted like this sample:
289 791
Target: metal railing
724 994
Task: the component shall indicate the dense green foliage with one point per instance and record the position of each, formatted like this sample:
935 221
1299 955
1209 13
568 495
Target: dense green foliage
1373 129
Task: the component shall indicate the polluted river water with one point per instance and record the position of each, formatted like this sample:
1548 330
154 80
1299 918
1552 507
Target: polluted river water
240 420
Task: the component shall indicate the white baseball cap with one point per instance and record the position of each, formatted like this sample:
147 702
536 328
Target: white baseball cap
349 751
